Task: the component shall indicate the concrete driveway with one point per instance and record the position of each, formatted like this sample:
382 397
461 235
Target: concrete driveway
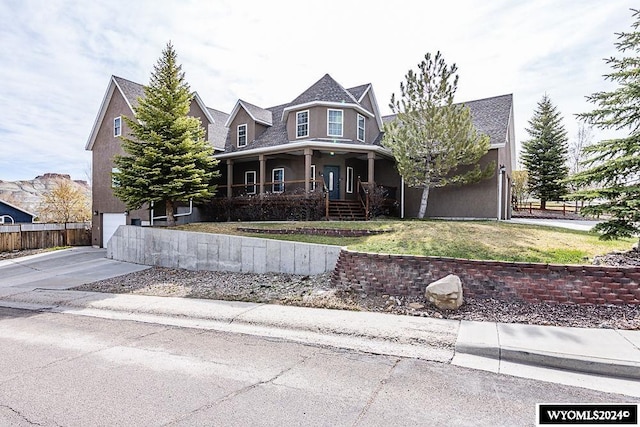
62 269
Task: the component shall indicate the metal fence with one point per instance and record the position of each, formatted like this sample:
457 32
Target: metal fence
41 236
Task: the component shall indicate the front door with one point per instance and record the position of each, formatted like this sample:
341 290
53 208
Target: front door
332 181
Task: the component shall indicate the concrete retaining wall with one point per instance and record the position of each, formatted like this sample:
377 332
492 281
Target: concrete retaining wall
216 252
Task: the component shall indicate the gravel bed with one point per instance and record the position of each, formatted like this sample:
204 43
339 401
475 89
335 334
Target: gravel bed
19 254
316 291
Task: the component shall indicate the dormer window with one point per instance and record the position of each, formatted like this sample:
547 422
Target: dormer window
302 124
334 122
117 126
242 135
361 127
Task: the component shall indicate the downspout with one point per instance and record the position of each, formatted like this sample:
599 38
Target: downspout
401 198
501 172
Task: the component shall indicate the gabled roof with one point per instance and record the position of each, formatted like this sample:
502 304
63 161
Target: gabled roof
490 116
131 92
358 92
326 90
257 114
17 208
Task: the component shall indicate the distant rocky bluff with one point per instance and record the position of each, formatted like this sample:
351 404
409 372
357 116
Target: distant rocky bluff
27 195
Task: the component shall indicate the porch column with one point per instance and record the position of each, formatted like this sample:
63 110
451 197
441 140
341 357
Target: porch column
229 178
262 161
371 157
307 170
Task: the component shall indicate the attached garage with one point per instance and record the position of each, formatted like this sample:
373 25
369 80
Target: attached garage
110 223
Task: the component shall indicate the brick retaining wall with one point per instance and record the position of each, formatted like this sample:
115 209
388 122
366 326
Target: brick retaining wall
409 276
333 232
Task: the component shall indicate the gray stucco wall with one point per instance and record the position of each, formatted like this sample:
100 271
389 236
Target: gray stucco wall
216 252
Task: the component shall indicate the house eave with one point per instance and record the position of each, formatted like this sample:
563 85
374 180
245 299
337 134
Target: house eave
313 144
235 110
341 105
106 99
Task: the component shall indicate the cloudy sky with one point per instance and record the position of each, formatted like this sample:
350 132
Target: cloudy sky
56 57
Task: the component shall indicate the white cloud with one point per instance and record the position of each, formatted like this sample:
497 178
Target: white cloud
57 57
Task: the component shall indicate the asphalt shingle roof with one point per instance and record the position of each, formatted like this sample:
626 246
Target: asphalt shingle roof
132 90
217 131
326 89
358 90
490 116
260 114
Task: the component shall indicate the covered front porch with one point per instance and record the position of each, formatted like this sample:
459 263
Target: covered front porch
349 181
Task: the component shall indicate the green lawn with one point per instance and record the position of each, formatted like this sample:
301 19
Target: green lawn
488 240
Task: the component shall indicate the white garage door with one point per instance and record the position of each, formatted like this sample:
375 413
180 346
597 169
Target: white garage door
110 223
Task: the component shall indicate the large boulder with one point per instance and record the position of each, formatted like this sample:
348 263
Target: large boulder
446 293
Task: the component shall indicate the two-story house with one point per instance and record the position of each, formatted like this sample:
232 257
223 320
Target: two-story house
326 138
104 143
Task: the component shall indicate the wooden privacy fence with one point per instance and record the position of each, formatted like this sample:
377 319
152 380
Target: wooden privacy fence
40 236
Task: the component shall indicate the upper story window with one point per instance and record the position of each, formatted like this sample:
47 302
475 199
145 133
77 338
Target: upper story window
302 124
242 135
361 126
117 126
114 180
334 122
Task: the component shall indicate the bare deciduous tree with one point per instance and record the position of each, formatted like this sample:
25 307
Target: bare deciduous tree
65 202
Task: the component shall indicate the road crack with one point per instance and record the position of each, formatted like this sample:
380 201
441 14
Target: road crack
375 393
21 415
240 391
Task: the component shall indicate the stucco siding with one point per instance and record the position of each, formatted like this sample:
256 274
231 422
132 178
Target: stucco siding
477 200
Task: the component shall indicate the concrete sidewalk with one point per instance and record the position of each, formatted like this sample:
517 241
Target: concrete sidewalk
610 358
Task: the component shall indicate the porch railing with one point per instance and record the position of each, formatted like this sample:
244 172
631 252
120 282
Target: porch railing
254 188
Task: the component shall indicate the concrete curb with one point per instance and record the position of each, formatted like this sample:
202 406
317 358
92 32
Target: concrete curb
407 336
423 338
588 365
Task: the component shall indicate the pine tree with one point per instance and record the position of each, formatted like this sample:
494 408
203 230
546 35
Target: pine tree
545 154
167 159
614 164
432 139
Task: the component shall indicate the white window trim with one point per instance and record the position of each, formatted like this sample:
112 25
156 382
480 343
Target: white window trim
313 177
341 122
114 183
298 115
247 184
364 127
349 179
273 180
245 135
117 130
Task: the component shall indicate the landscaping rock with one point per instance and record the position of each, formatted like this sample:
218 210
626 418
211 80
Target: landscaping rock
446 293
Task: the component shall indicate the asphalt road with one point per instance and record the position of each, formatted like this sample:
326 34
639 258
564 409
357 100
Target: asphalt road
68 370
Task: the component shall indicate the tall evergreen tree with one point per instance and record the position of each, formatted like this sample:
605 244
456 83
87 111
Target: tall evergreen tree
614 164
432 139
167 159
545 153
